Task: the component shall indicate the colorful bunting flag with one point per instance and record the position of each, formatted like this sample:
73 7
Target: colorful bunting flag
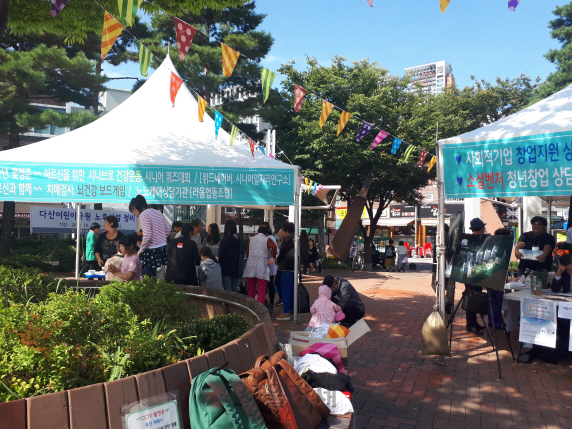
306 181
175 85
251 143
421 159
145 57
326 110
382 134
261 149
407 153
365 129
315 188
229 59
233 134
268 77
512 4
444 4
395 145
185 34
431 163
299 94
217 122
370 2
202 107
112 28
128 11
57 6
309 188
344 118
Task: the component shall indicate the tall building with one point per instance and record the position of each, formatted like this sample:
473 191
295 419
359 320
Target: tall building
432 77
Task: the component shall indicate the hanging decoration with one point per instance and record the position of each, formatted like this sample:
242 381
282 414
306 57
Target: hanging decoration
444 4
370 2
326 110
512 4
128 11
229 59
421 159
364 131
251 143
344 118
306 181
57 6
382 134
175 85
407 153
217 122
202 107
315 188
395 145
145 57
185 34
268 77
233 134
309 187
299 94
112 28
431 163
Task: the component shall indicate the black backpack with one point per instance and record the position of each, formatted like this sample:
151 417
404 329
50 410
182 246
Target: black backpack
389 251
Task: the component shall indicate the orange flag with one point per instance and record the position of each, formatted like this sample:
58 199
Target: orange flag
444 4
175 85
202 107
112 28
229 59
326 110
431 163
344 118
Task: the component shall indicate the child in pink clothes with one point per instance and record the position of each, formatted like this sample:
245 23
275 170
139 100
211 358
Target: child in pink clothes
323 310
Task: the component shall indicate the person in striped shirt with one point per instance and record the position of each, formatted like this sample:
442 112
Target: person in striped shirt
156 229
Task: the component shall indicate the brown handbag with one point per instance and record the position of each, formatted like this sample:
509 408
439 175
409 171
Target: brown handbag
285 400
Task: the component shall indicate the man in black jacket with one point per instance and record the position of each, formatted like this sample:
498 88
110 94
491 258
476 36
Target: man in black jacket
561 281
345 295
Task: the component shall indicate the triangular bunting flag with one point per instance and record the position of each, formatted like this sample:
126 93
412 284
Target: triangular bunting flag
326 110
112 28
128 11
145 57
174 85
444 4
229 59
202 107
431 163
217 122
299 94
57 6
315 188
382 134
421 158
306 181
268 77
261 149
395 145
370 2
251 143
344 118
233 134
512 4
365 129
185 34
407 153
309 188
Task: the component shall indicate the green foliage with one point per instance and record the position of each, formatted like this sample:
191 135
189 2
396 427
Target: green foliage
22 286
335 264
40 254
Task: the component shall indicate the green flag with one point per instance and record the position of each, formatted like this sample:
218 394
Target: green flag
127 11
268 77
407 154
145 56
233 135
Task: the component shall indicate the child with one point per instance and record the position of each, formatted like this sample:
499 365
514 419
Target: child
401 257
210 274
131 267
323 309
390 256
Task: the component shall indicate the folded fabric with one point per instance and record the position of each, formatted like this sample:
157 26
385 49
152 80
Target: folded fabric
328 351
316 363
337 331
329 381
336 401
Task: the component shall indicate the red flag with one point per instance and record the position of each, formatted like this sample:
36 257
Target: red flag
421 158
299 94
175 84
251 143
185 34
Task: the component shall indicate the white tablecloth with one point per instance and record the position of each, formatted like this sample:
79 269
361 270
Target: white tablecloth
512 302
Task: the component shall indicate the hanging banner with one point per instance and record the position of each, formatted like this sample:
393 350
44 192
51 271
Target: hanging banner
174 86
512 167
202 107
112 28
159 184
382 134
344 118
512 4
407 153
538 322
128 11
299 94
233 134
422 157
57 6
268 77
364 131
145 57
251 144
185 34
64 221
395 145
326 110
444 4
229 59
431 163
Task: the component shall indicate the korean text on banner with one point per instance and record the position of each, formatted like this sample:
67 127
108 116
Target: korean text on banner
62 220
538 322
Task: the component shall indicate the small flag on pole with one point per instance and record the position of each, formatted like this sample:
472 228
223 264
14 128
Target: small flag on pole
229 59
444 4
299 94
382 134
233 134
57 6
202 107
217 122
112 28
421 159
407 153
175 85
251 143
344 118
326 110
512 4
145 57
395 145
128 11
185 34
268 77
365 129
431 163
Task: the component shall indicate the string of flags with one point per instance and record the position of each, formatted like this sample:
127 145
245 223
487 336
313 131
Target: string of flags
311 186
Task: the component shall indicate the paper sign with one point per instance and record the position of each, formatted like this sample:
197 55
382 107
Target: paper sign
62 220
538 322
565 310
161 416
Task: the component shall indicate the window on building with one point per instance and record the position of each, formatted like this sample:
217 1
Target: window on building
428 197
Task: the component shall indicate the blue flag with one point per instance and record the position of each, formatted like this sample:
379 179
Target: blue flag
217 122
261 150
395 145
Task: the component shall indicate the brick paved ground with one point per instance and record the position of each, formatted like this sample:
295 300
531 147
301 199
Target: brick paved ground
397 387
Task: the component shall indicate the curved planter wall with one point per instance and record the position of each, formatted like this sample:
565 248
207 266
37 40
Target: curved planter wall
98 406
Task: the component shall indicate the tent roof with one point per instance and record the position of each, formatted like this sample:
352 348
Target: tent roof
147 130
551 115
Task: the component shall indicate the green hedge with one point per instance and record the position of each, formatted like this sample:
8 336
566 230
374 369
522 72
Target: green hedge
40 254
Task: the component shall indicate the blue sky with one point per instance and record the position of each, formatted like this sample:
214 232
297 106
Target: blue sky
478 37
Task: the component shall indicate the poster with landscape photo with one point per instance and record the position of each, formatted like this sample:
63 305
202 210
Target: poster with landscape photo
456 228
482 260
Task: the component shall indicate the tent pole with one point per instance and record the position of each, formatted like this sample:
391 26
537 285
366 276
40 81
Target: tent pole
297 215
77 235
549 215
441 249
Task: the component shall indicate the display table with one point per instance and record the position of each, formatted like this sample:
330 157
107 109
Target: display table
512 301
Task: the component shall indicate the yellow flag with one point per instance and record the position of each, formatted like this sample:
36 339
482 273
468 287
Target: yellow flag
326 110
444 4
202 106
344 118
431 163
229 59
112 28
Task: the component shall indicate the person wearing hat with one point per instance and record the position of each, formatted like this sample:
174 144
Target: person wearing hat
537 239
478 228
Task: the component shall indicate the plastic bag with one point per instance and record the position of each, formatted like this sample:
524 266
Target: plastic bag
434 335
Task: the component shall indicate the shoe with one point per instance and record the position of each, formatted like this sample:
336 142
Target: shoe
284 317
279 303
477 330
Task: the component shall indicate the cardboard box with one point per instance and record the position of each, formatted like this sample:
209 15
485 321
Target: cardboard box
300 340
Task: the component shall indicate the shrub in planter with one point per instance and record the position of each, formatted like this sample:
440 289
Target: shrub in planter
22 285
